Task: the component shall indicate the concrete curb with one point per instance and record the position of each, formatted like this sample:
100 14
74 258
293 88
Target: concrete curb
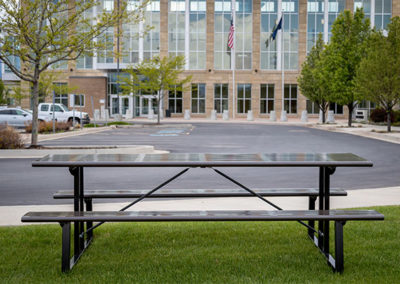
11 215
46 137
77 150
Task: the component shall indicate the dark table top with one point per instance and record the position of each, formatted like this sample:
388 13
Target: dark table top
205 160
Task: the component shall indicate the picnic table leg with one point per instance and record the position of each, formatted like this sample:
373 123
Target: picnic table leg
89 207
326 207
339 259
81 209
311 206
66 246
75 172
321 207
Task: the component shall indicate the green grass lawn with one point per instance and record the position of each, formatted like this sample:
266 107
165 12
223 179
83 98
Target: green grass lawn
204 252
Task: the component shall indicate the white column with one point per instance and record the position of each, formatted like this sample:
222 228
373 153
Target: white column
326 21
141 42
187 39
372 13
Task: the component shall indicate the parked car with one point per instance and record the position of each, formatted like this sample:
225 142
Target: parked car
18 117
62 113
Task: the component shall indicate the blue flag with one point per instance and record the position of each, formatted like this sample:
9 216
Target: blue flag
274 32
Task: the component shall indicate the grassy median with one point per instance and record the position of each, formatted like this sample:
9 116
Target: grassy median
204 252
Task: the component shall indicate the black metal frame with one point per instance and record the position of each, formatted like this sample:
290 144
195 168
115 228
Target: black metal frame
80 243
321 241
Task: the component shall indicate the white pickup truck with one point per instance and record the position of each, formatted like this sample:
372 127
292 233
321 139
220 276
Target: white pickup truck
62 113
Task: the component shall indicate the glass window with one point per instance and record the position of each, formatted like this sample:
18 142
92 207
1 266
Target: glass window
198 98
79 100
106 54
243 34
14 60
243 98
267 95
175 101
176 27
383 13
197 34
61 93
315 21
222 23
312 107
290 98
44 108
334 9
290 33
337 109
221 97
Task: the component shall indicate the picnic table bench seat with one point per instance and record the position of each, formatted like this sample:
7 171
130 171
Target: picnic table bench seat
340 217
179 193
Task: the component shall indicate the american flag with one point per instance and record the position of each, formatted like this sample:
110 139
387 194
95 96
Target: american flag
231 35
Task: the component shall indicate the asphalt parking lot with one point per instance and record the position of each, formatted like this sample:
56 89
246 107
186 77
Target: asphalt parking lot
22 184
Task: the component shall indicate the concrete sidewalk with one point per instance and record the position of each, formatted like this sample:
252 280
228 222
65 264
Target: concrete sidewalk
11 215
79 150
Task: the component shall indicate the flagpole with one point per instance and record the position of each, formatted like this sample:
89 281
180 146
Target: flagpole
283 117
233 60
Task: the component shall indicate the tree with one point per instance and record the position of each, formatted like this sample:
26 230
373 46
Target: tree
43 33
17 94
350 33
311 81
378 78
155 76
3 94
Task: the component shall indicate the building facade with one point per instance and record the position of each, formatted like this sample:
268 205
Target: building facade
199 30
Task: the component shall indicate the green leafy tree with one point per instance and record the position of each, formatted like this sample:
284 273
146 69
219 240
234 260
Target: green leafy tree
311 81
18 94
3 93
44 33
378 78
350 33
155 76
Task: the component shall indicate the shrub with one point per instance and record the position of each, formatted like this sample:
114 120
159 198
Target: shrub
47 127
9 138
119 123
380 115
396 114
92 125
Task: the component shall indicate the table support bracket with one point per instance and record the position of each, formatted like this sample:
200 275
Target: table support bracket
140 198
259 196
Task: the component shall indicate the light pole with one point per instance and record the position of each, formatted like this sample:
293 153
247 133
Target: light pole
118 50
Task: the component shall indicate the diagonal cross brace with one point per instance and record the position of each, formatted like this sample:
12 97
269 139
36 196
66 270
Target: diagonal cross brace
258 195
140 199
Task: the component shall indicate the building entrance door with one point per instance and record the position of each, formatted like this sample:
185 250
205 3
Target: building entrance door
143 105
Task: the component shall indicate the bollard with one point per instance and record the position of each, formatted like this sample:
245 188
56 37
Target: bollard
331 117
151 114
304 117
96 114
250 116
213 115
320 116
225 115
187 114
272 115
283 116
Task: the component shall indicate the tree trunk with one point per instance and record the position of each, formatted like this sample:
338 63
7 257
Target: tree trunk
323 116
35 99
351 108
389 120
159 107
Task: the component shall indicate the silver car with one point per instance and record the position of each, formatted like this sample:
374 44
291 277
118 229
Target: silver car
16 117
